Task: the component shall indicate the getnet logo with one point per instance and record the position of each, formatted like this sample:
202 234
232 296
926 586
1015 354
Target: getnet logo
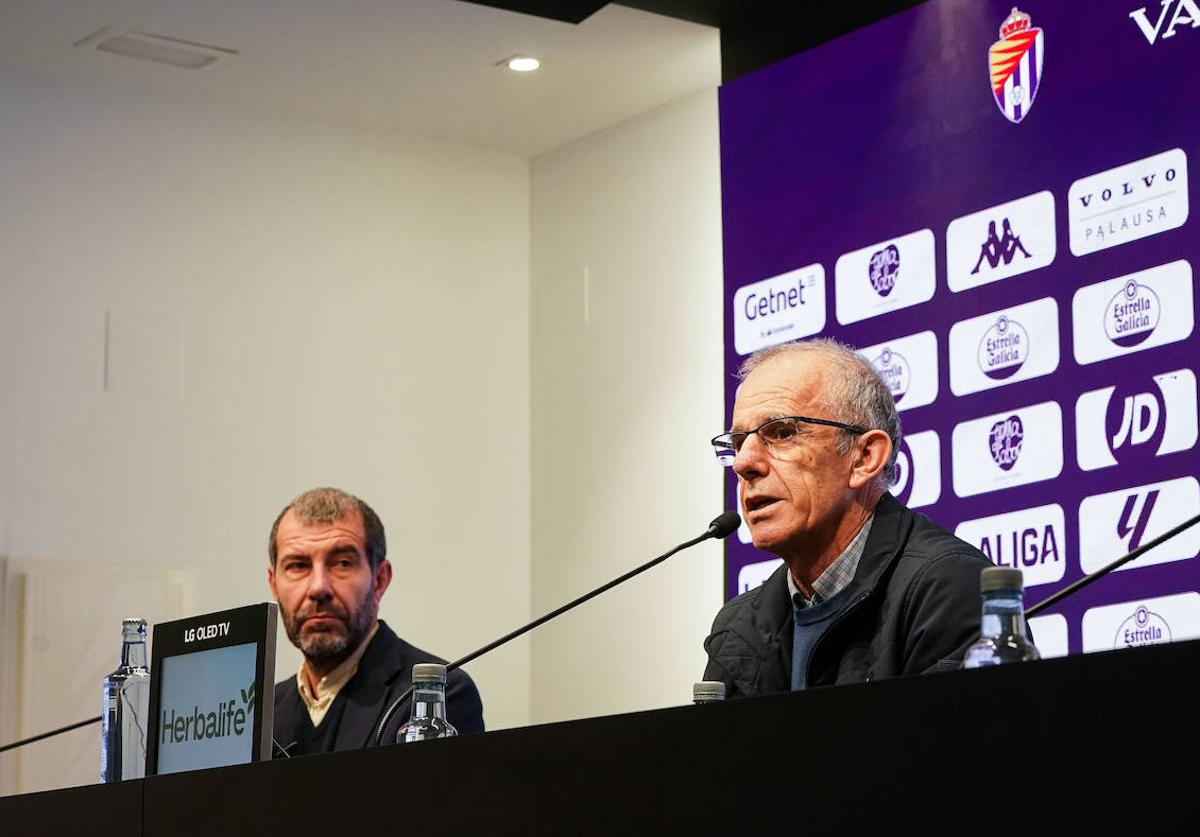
1030 540
1171 15
1115 426
181 725
778 309
1132 313
909 367
1003 347
1129 202
1015 65
1000 242
1117 522
1142 622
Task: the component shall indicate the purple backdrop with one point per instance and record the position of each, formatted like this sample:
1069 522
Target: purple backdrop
1025 286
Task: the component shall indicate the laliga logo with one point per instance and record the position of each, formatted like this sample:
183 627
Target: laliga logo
1003 349
1015 64
895 371
1005 440
1132 315
1143 628
885 269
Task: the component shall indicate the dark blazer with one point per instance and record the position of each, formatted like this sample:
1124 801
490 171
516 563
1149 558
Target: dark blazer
384 673
913 606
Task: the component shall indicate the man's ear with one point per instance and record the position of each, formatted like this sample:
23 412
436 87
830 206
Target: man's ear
383 577
870 455
271 580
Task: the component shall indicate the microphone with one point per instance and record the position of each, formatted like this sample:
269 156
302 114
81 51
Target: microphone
722 526
1105 570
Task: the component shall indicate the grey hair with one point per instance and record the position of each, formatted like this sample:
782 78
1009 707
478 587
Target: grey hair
325 505
854 391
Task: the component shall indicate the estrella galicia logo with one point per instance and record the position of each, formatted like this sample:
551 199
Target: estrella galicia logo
1144 627
999 248
895 371
1003 349
885 269
1005 440
1132 315
1015 65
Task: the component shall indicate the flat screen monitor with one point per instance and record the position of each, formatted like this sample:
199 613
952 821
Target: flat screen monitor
211 690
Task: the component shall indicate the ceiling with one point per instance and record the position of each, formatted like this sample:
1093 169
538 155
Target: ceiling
415 67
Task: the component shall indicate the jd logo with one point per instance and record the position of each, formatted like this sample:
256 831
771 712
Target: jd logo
999 248
1184 12
1133 521
1133 420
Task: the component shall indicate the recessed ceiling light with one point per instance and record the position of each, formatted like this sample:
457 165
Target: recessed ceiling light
523 63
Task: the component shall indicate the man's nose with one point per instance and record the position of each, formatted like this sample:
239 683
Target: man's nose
751 459
319 588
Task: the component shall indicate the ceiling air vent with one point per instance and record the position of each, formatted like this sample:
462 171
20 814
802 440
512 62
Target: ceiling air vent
176 52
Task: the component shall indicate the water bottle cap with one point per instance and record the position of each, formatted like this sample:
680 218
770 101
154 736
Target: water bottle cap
429 673
1001 578
133 620
708 690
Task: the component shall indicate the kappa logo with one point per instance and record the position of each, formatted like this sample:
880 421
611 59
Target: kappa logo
1112 424
1181 12
895 371
1132 315
1003 248
1003 349
1015 65
1005 441
884 269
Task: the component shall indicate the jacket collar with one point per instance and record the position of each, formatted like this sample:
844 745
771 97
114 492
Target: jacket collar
367 691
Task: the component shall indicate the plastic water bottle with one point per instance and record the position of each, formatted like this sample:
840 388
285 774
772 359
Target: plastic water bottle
708 691
126 709
1002 637
429 705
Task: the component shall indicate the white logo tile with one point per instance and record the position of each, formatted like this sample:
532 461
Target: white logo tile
1003 347
778 309
1118 522
1033 541
1171 405
1132 313
1129 202
908 365
1007 449
1142 622
1000 242
885 277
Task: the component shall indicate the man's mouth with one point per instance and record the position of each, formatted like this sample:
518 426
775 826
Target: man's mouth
754 504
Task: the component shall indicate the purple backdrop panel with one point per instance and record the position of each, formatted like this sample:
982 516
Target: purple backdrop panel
993 207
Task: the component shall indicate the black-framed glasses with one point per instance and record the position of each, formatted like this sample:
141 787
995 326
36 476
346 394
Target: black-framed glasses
779 435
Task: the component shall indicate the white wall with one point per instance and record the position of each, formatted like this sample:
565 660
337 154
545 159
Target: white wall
284 305
626 392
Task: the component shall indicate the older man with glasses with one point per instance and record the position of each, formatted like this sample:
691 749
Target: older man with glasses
868 589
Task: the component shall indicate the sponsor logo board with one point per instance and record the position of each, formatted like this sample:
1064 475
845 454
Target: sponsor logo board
884 277
1154 421
1000 242
1007 449
1131 201
1132 313
1142 622
1033 541
1004 347
753 575
908 365
918 478
778 309
1049 635
1117 522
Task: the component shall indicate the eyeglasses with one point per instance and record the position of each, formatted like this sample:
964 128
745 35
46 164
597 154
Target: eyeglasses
780 436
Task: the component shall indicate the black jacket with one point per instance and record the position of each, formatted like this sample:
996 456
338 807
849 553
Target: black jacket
914 606
384 673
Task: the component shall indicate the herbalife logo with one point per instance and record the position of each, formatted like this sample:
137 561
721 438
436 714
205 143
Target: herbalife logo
884 269
1005 440
1144 627
1132 315
1003 349
997 249
895 371
229 718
